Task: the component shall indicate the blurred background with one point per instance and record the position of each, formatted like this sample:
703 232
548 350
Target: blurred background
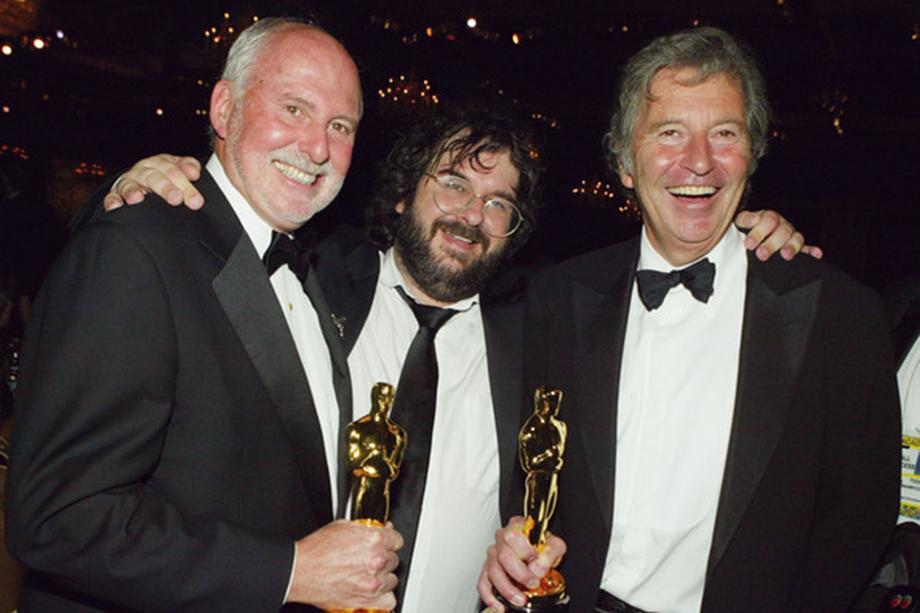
89 86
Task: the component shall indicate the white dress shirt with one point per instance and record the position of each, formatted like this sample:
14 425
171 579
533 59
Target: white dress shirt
676 401
909 388
304 325
460 506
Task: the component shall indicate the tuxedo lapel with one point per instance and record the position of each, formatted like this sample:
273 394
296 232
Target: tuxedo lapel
600 313
344 276
347 267
249 301
503 324
776 331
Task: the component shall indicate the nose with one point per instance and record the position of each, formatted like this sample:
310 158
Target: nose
472 214
315 143
698 155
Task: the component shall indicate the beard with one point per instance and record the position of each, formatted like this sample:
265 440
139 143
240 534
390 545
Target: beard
437 280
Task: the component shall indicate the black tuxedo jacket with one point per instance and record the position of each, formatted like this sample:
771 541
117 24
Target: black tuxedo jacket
167 451
348 267
810 489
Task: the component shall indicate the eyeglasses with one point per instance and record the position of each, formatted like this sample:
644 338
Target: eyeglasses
453 195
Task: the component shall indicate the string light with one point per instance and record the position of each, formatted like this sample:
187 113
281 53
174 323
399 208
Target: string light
89 169
403 91
835 104
14 150
471 23
6 49
38 43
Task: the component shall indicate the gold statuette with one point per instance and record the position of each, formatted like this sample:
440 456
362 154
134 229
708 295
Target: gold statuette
375 451
541 445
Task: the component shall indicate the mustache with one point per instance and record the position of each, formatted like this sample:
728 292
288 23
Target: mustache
463 230
302 162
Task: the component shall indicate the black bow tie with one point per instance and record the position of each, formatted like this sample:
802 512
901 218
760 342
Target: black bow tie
295 252
654 285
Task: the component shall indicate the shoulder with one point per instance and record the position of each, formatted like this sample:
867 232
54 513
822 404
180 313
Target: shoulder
598 268
841 298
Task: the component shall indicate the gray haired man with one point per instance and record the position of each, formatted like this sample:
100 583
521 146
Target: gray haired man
733 423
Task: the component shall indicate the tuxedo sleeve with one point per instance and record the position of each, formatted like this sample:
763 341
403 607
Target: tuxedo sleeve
857 503
95 408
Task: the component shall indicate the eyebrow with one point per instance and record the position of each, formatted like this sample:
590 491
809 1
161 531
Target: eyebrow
500 193
312 106
667 122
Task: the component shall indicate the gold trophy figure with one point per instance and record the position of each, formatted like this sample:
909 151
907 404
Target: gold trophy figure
541 445
375 451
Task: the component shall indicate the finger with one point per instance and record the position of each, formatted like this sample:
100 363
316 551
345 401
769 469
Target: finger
392 540
487 595
747 219
783 236
514 538
550 557
765 224
130 190
500 582
814 251
191 167
793 246
112 201
168 185
384 602
515 566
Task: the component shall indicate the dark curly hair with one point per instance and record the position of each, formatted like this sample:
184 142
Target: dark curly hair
466 131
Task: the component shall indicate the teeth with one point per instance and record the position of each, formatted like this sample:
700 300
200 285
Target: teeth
692 190
294 173
462 238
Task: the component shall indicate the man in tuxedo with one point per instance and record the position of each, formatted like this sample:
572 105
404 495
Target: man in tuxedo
177 430
442 251
733 423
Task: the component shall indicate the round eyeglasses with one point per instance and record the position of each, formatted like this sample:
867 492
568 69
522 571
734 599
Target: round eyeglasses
453 195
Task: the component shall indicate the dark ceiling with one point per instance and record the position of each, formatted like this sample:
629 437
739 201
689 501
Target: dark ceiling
844 78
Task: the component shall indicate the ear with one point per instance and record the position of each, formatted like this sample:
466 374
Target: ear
400 207
222 100
625 178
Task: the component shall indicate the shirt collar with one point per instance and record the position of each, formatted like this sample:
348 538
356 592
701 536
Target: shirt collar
259 232
390 277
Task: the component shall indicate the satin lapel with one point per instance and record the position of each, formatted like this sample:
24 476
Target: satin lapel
248 299
341 379
600 318
346 285
776 332
349 280
504 332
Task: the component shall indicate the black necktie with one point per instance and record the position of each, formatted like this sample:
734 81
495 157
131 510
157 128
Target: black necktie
654 285
413 409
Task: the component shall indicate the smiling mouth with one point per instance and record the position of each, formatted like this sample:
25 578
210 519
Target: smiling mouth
295 174
693 191
460 233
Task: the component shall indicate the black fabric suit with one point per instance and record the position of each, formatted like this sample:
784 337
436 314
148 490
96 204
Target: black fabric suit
167 451
348 267
809 493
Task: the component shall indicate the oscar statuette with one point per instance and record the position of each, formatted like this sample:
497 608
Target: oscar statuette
541 445
375 451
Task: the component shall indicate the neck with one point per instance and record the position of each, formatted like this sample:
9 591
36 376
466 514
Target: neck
680 255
